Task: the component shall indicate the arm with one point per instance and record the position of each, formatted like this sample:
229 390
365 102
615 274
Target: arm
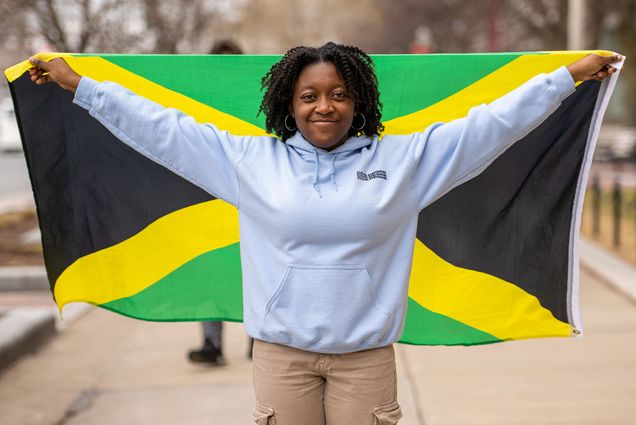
447 155
199 153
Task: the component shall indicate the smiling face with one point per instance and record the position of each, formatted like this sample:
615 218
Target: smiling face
321 106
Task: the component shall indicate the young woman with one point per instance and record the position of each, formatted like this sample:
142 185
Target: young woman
328 212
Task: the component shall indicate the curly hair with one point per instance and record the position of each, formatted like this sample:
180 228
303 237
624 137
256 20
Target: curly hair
356 69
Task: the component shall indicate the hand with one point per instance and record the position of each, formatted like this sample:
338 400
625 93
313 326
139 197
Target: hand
57 71
594 67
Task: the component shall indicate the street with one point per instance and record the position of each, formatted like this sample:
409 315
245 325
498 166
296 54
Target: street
106 369
14 177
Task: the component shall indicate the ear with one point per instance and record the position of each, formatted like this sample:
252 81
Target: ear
291 110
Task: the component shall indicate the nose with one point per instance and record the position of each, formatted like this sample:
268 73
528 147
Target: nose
324 105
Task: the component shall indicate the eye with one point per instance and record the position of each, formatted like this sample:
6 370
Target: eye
308 97
340 95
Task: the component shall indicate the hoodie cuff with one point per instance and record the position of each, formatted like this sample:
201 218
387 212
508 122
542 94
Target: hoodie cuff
86 92
561 80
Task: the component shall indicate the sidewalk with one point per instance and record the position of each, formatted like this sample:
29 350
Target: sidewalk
106 369
583 381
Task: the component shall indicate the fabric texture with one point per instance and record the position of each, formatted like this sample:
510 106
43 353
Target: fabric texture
294 386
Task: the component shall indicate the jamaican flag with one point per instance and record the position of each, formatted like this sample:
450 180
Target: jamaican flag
495 258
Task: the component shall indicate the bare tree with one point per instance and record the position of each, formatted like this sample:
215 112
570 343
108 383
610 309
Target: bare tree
535 25
13 34
177 26
180 26
613 26
455 25
486 25
71 25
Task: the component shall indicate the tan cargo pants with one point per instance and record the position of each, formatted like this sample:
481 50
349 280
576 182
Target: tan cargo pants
296 387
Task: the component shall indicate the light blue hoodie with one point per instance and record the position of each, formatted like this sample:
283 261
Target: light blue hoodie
326 237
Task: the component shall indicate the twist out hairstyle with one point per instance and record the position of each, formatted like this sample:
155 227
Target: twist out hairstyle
356 69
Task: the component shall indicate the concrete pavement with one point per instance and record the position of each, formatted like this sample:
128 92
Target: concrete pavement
589 380
106 369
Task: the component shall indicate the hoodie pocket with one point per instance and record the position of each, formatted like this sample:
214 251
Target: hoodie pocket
326 307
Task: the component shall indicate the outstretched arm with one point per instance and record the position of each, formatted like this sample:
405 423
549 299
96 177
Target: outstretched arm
448 154
197 152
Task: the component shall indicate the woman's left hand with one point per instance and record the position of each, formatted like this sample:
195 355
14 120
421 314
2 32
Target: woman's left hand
594 67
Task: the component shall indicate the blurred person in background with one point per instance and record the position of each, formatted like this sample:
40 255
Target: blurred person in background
328 212
211 352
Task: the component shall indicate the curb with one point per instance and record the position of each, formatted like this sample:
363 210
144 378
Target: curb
22 331
608 268
23 278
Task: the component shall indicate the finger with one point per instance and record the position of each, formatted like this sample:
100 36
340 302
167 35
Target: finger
43 79
609 70
37 74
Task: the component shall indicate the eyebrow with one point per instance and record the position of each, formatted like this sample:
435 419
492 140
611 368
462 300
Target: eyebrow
311 87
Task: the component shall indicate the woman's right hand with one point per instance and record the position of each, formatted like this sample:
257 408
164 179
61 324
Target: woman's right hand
56 71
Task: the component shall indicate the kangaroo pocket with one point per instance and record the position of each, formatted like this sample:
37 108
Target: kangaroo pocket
330 308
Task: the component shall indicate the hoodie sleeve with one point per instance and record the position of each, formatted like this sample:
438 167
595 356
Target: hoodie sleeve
200 153
448 154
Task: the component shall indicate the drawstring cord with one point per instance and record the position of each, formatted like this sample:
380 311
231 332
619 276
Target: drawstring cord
332 174
316 188
333 171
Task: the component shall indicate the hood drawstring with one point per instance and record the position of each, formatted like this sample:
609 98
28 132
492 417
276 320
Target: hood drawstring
332 174
316 175
333 171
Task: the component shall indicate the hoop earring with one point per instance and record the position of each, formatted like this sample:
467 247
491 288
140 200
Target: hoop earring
364 122
286 126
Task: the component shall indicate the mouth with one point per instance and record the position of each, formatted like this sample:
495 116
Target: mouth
323 122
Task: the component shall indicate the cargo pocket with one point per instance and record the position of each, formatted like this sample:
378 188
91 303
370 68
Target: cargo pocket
387 414
263 415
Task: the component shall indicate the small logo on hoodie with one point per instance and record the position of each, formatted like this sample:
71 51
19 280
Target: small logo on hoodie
378 174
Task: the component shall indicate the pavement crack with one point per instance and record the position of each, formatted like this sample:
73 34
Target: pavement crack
81 403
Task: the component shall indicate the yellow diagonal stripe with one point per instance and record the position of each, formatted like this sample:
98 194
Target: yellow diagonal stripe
132 265
485 90
478 299
100 69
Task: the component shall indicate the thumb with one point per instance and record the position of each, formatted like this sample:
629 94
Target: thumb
607 60
39 63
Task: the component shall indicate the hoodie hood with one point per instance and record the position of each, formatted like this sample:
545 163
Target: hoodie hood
309 152
352 144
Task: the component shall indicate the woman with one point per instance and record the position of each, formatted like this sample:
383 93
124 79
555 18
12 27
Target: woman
328 213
